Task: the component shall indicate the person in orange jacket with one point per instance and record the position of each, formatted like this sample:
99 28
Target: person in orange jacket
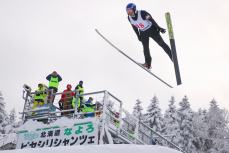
65 102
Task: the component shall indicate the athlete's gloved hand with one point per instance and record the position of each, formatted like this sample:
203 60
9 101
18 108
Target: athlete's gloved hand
162 30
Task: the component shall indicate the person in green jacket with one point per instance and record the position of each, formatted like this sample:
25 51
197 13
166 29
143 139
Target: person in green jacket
39 96
79 91
88 108
76 102
54 78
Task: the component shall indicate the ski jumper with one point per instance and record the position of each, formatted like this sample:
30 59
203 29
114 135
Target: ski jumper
145 27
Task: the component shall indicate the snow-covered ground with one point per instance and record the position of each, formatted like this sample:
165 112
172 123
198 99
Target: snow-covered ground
10 138
115 148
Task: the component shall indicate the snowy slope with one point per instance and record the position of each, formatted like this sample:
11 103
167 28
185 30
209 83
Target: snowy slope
124 148
10 138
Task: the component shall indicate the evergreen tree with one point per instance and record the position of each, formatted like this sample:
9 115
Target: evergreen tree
154 117
217 129
12 125
226 136
137 112
170 120
12 116
130 122
2 109
200 140
185 120
2 113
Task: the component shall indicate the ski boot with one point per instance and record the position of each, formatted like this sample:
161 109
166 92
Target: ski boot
145 65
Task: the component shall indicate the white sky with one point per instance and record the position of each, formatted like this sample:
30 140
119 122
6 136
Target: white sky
37 37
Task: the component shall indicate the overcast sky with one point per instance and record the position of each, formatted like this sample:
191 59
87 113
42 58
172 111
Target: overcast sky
39 36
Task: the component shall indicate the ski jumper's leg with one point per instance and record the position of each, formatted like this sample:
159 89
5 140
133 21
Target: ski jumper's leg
157 37
145 44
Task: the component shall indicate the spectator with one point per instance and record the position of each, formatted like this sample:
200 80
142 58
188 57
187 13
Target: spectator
80 90
65 102
89 108
39 97
54 78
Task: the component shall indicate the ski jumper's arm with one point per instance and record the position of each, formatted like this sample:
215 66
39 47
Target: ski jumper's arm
146 16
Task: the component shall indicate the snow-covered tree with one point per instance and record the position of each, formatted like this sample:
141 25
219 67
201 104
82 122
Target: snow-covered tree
2 109
7 122
129 122
200 140
170 120
217 129
137 112
226 137
2 113
12 125
185 121
153 117
216 120
12 116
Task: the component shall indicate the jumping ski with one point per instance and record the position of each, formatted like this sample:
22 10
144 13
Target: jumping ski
173 48
120 51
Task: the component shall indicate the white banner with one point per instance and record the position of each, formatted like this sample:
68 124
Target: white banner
79 133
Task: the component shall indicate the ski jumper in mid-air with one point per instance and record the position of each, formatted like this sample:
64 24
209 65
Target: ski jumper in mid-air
145 27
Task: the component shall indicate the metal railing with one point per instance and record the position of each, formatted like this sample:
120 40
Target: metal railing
50 110
135 131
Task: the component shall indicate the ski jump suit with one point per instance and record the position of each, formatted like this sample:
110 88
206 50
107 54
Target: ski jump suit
145 27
